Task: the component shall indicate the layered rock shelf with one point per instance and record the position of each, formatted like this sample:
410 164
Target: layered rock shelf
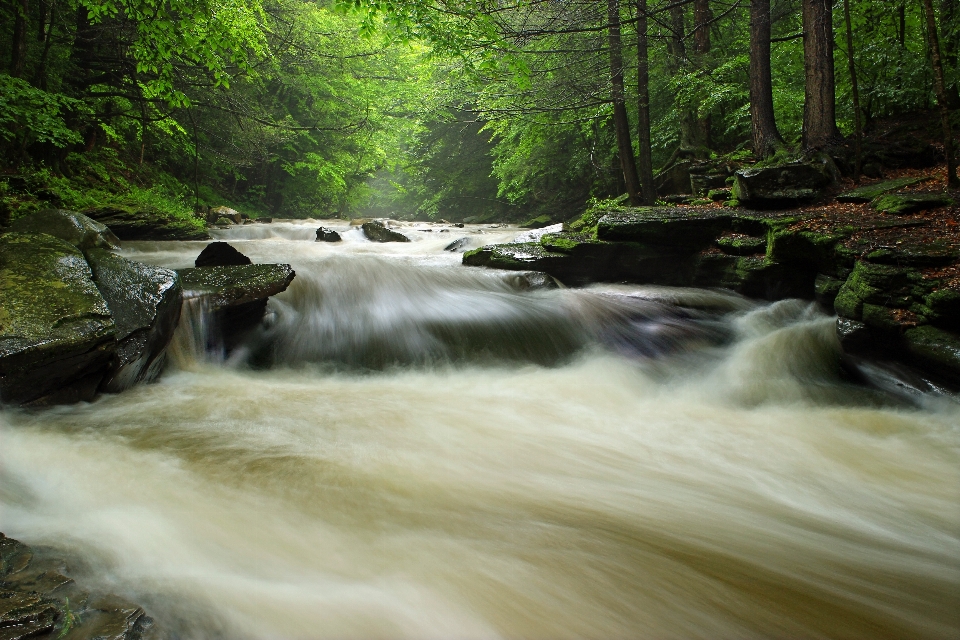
893 281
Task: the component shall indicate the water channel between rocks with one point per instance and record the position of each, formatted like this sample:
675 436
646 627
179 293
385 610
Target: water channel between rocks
414 449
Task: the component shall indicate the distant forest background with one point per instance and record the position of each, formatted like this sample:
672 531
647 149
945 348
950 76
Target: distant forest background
480 109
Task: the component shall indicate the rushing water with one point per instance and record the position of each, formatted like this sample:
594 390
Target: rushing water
411 448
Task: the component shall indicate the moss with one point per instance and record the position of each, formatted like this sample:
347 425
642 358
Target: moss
538 223
742 245
935 348
871 191
906 203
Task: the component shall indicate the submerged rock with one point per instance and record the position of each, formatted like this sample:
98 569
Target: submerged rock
935 349
327 235
144 302
457 244
220 254
38 601
57 336
77 229
902 204
378 232
147 224
781 185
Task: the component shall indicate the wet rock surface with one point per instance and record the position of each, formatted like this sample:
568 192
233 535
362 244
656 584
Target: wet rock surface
327 235
38 601
77 229
234 285
220 254
378 232
144 302
57 336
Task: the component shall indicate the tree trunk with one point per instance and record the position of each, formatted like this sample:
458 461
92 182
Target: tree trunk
18 55
648 191
766 137
855 90
819 107
676 64
701 47
939 87
620 122
950 28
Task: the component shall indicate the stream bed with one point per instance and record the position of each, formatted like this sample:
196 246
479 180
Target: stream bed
410 448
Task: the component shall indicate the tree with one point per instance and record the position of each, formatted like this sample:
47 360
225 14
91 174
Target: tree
648 191
819 106
766 137
939 85
621 124
702 17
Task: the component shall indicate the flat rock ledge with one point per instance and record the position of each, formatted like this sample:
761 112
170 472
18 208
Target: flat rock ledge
896 293
235 285
39 601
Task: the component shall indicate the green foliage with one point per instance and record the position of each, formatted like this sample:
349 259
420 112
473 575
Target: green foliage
30 115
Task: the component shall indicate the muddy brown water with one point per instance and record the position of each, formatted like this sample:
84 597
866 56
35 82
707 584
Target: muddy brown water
414 449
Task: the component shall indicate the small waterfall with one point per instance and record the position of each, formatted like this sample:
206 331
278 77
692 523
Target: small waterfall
196 339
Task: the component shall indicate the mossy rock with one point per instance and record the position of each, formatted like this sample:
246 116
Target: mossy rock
145 302
235 285
537 223
875 284
76 228
826 288
916 253
809 248
871 191
719 195
682 229
935 349
130 223
781 185
902 204
56 332
943 308
564 242
742 245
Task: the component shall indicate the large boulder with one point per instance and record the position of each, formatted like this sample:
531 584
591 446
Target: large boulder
236 295
674 179
378 232
57 336
76 228
145 304
327 235
147 224
683 229
220 254
215 213
781 185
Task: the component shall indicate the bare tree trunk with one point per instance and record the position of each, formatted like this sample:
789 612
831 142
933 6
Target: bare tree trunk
620 122
766 137
819 107
858 132
950 28
701 47
18 55
649 193
939 87
676 64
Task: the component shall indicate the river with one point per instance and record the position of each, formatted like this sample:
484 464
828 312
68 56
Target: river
410 448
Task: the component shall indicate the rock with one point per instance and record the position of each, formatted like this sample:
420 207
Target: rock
220 254
826 288
869 192
457 245
702 183
856 337
943 309
147 224
537 223
781 185
232 215
873 284
532 281
76 228
223 222
534 235
235 285
676 198
674 179
741 245
264 220
110 618
236 295
57 336
25 615
903 204
935 349
145 304
377 232
916 252
327 235
719 195
683 229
